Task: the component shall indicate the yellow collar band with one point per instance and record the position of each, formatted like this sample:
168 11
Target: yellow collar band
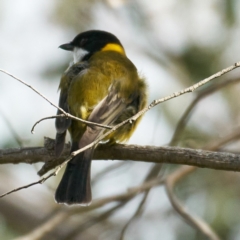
114 47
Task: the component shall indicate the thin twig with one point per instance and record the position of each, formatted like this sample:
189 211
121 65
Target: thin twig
158 101
72 117
35 90
201 94
67 115
42 180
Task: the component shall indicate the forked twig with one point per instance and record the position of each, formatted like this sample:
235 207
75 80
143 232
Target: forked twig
72 117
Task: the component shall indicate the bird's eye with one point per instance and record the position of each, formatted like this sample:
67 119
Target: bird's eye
83 41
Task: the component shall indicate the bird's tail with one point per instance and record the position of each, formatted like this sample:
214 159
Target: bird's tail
75 186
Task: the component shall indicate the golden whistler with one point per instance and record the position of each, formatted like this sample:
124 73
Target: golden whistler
101 85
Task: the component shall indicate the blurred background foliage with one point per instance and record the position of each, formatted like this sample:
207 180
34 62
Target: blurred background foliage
174 44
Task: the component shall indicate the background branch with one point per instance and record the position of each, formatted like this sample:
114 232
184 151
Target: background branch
61 216
182 172
190 218
200 95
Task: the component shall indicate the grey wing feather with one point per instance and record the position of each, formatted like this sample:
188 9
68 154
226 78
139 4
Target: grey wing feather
106 112
62 124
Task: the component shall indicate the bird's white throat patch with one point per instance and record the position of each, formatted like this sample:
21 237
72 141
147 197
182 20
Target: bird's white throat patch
79 54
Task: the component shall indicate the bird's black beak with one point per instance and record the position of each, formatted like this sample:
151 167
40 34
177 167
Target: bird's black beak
67 46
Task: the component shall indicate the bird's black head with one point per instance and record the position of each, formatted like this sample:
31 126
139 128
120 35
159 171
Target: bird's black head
89 42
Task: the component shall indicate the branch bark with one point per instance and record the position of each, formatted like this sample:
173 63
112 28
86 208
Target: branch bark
153 154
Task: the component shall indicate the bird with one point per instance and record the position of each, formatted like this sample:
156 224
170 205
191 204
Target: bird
100 85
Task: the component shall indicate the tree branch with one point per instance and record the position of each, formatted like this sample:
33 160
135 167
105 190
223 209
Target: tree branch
153 154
